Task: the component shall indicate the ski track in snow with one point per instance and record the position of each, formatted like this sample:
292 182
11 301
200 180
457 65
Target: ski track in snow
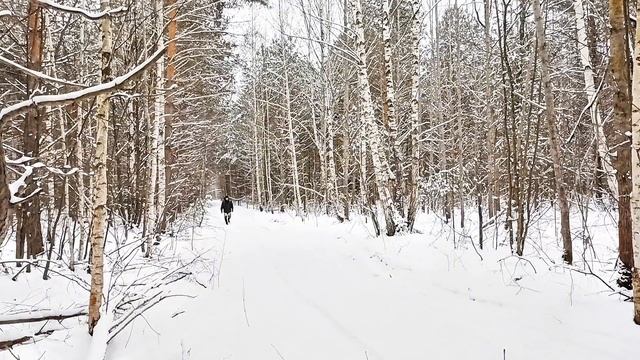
317 290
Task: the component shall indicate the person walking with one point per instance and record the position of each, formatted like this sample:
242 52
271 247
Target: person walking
227 208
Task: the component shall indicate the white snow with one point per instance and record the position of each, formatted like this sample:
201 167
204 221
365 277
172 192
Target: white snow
93 15
281 288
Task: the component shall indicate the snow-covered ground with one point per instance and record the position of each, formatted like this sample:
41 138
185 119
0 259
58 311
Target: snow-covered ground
271 286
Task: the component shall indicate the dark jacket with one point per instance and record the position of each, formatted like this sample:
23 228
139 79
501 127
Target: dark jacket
226 206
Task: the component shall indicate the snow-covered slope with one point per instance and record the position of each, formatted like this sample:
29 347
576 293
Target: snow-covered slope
287 289
271 286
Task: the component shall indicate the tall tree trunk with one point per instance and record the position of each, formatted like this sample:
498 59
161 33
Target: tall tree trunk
57 112
367 115
590 90
292 145
556 155
635 163
159 121
100 172
170 108
493 192
79 150
460 128
5 194
390 100
414 172
30 230
327 105
257 164
617 133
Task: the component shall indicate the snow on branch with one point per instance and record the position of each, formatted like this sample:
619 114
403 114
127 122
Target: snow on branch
86 13
14 187
18 184
42 100
37 73
5 13
37 316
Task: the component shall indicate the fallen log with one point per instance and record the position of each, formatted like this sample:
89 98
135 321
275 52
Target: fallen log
6 344
41 316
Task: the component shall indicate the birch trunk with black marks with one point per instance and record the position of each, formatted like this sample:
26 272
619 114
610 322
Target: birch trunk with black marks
390 104
100 172
414 171
368 119
159 122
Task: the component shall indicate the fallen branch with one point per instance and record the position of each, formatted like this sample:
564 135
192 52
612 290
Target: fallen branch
591 273
138 311
41 316
7 344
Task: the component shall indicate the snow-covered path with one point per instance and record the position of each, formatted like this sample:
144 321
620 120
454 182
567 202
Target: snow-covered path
317 290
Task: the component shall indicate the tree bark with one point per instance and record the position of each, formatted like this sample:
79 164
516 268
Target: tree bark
493 193
30 231
390 104
100 173
292 144
556 154
367 115
617 134
170 108
414 172
159 122
635 194
590 90
5 194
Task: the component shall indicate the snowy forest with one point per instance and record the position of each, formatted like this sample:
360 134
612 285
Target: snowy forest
406 176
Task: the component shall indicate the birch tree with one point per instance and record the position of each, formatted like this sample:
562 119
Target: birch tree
368 118
390 99
635 169
100 171
414 172
592 96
